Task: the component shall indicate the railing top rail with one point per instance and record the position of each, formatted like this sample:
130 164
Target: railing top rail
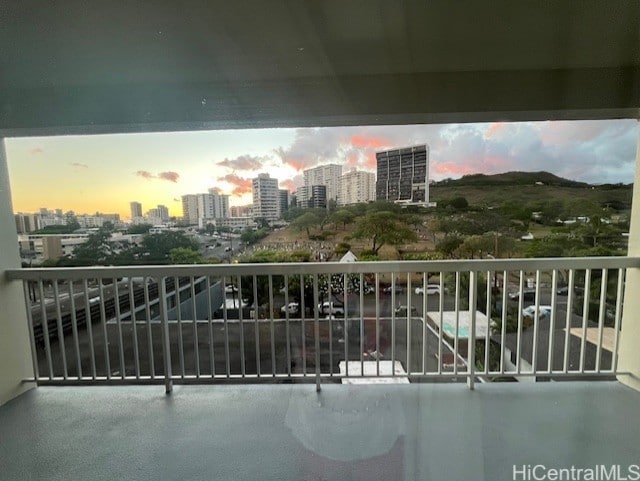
297 268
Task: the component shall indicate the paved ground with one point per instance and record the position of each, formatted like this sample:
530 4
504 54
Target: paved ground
289 432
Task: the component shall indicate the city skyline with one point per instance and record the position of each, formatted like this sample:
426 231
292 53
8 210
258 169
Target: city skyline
106 172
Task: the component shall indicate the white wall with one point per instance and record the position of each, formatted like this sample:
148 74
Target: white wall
15 352
629 350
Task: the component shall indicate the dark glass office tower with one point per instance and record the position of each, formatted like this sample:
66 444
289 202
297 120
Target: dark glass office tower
403 175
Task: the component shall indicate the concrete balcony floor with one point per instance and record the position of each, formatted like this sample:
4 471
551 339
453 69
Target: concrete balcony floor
290 432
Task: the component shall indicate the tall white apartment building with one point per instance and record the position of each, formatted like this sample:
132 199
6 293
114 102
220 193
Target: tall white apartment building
327 175
266 198
211 206
190 209
356 187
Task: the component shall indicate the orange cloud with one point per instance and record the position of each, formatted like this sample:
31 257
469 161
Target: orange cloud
240 185
170 176
289 184
368 142
494 128
451 168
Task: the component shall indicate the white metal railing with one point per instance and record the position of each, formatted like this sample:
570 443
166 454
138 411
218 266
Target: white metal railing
474 320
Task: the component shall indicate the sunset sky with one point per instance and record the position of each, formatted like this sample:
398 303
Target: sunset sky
104 173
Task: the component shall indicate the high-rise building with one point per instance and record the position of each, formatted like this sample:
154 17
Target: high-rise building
403 175
242 210
163 213
212 206
356 187
266 202
318 197
190 209
284 200
26 223
302 196
136 209
328 175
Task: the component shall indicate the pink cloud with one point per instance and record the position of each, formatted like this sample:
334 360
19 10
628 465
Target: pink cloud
36 151
494 128
244 162
145 174
170 176
80 165
369 142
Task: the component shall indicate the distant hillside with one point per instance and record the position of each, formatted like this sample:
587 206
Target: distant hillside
494 190
512 178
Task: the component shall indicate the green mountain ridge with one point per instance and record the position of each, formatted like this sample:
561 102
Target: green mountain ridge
513 178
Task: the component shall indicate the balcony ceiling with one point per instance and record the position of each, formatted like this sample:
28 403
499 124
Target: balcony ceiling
123 66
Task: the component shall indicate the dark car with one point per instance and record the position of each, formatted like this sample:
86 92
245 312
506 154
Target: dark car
526 295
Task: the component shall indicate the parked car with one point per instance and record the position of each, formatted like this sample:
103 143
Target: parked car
402 310
291 308
431 289
327 307
230 289
526 295
543 311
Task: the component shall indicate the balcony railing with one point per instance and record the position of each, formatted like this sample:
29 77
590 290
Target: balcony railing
473 320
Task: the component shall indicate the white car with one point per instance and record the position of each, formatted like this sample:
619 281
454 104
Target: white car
230 289
431 289
291 308
530 311
327 307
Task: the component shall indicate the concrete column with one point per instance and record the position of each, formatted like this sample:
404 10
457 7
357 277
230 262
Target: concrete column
15 351
629 350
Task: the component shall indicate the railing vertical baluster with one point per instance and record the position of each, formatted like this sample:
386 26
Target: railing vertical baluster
487 338
212 353
316 329
552 319
272 328
286 322
61 343
377 323
103 320
44 322
243 368
89 324
74 328
256 326
134 327
361 309
331 317
166 340
225 320
585 318
441 315
409 322
194 312
616 327
471 345
178 308
503 327
601 314
147 315
393 324
536 328
116 300
567 330
456 338
345 298
32 341
519 334
425 278
303 326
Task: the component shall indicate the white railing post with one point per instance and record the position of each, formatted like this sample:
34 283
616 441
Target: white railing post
316 328
471 343
166 346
